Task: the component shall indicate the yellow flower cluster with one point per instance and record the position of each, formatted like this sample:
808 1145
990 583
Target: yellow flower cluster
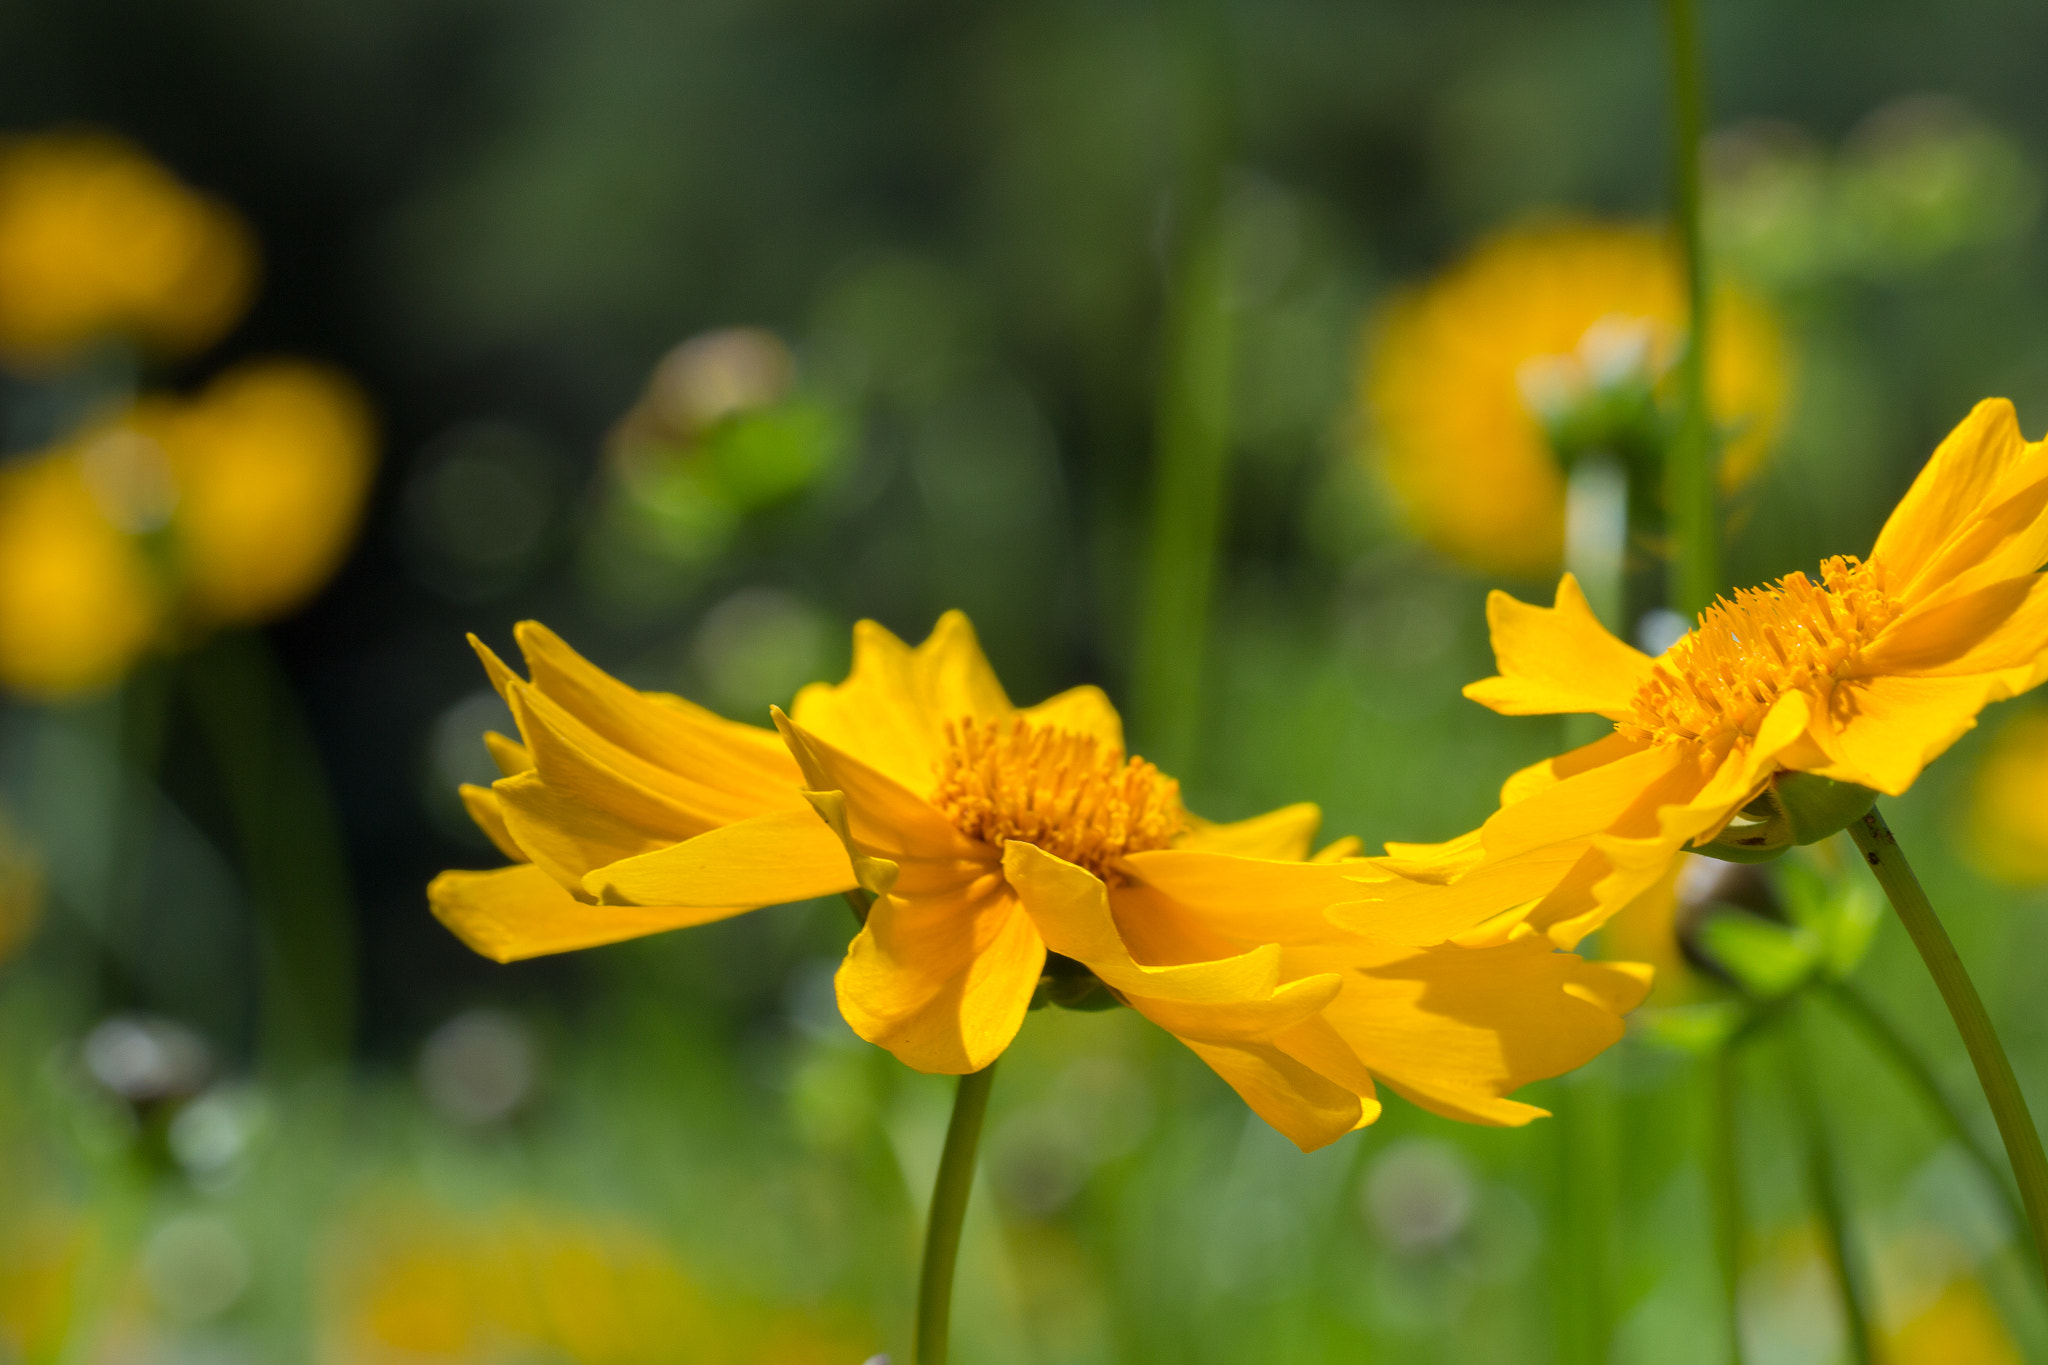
97 240
1463 376
177 516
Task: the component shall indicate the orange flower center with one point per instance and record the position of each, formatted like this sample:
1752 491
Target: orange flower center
1795 635
1072 795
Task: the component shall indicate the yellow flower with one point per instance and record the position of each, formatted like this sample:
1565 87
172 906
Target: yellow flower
2006 835
177 517
1861 678
270 466
97 239
1960 1327
78 603
1007 849
1464 376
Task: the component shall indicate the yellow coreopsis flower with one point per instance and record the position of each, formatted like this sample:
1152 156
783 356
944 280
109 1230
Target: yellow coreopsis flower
177 517
1859 679
96 239
1007 851
1466 379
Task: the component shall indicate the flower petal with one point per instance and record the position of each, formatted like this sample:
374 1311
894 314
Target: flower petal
1963 476
942 981
1557 659
886 819
1216 904
1880 732
1070 906
1456 1029
520 912
892 709
1083 711
566 836
771 859
1989 630
1309 1110
1283 835
482 805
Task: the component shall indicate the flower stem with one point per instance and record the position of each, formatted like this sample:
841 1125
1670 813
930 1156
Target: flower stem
1689 475
1912 1068
949 1209
1880 849
1724 1181
1824 1184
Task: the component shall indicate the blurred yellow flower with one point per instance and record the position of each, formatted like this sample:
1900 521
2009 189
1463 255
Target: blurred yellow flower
1960 1327
1010 851
2006 830
1861 679
177 517
414 1285
42 1252
1467 377
78 600
270 467
96 239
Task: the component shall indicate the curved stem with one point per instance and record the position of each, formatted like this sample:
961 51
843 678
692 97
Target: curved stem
1880 849
949 1209
1689 475
1724 1181
1824 1184
1880 1033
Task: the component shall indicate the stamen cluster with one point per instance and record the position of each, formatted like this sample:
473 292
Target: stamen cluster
1068 793
1745 654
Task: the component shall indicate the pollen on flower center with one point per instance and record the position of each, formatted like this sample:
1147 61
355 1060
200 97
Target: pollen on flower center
1792 635
1068 793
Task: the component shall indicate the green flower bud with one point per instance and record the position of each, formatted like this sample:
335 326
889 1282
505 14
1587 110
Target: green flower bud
1797 808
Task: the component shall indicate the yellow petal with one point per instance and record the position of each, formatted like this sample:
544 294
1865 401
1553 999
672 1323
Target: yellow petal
1592 800
520 912
1557 659
1070 906
2006 539
1310 1111
482 805
891 711
1456 1029
718 769
509 754
1283 835
1216 904
942 981
1082 711
886 819
1524 784
1880 732
581 766
1426 913
771 859
1962 477
1989 630
566 836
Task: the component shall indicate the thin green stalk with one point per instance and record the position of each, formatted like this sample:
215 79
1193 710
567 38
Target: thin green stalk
1912 1068
1824 1186
949 1210
1690 494
1724 1184
1587 1135
1880 848
291 851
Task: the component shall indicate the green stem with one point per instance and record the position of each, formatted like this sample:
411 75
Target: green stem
1587 1134
1824 1184
1912 1068
1689 477
1881 850
949 1210
1724 1182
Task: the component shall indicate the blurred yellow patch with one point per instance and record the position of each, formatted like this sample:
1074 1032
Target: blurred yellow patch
413 1285
2006 834
96 239
41 1254
1462 374
176 517
1961 1327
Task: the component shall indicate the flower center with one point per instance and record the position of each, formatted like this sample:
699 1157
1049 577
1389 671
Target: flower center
1068 793
1795 635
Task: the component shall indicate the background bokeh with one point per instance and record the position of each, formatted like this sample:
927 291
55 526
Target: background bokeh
957 228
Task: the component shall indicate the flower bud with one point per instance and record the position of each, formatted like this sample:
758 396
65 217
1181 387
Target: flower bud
1796 808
